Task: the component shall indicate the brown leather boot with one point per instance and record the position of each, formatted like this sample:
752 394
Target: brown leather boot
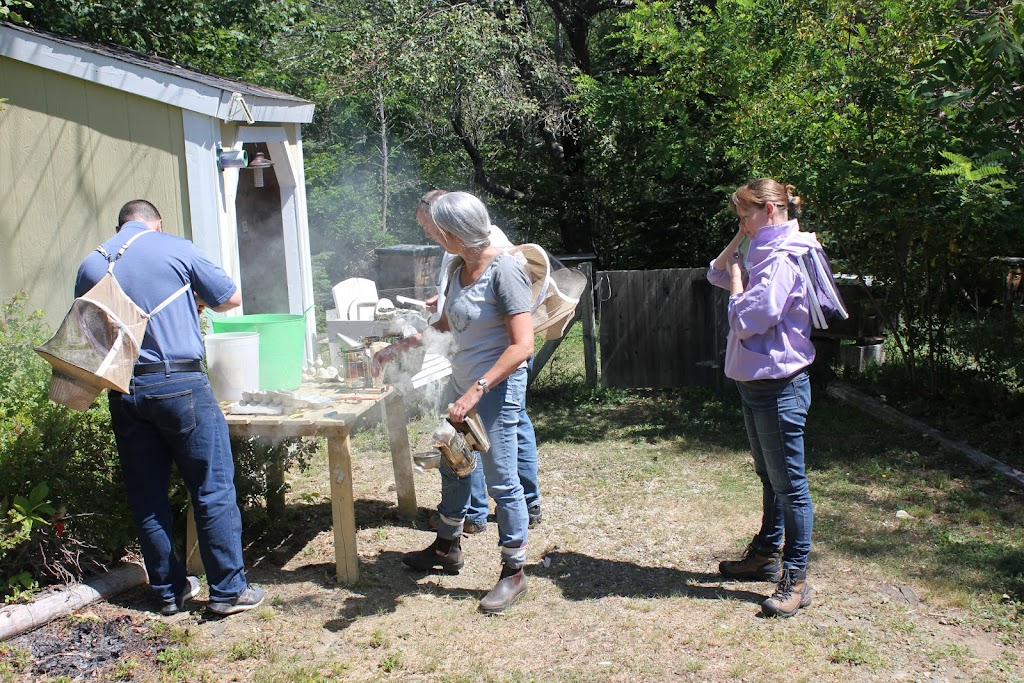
755 565
790 596
511 584
444 554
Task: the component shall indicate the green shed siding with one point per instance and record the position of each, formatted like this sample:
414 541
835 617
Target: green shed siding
71 153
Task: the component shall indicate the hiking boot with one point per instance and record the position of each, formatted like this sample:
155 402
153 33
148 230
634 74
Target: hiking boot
756 565
189 591
534 512
789 597
469 527
249 598
444 554
511 584
472 528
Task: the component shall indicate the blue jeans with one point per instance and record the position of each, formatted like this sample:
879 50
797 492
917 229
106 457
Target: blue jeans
499 410
774 413
174 418
526 440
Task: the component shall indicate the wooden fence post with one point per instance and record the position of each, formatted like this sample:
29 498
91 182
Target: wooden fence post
584 312
589 330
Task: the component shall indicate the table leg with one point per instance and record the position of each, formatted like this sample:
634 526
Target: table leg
275 481
401 455
343 513
193 561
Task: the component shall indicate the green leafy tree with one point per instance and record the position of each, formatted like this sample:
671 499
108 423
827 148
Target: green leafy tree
467 95
659 113
977 73
822 95
9 10
359 158
228 37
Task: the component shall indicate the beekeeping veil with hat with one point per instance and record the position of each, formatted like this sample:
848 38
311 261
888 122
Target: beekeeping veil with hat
555 288
98 341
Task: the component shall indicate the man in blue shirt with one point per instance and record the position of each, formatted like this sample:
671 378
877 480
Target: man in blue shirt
170 414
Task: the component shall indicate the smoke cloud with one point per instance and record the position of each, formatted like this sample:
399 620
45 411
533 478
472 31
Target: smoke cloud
428 397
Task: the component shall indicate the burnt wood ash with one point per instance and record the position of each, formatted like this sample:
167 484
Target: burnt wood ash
87 648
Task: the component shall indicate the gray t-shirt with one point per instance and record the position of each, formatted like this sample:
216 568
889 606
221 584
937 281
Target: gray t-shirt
476 316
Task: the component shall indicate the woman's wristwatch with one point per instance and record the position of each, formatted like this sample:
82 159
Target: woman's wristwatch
484 386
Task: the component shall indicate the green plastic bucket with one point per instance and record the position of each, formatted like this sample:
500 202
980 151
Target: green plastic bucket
282 345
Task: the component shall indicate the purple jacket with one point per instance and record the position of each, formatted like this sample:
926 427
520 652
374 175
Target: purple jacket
770 322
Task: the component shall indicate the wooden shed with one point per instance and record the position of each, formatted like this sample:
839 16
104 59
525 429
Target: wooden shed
87 127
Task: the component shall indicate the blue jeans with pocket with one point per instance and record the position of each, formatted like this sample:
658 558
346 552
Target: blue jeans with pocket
174 419
774 413
499 410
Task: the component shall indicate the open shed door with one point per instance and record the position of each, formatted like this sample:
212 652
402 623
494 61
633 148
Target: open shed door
261 242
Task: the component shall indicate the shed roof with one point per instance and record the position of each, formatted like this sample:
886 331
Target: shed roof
152 77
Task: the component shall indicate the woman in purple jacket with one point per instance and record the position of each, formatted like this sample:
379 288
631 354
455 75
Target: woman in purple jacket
768 351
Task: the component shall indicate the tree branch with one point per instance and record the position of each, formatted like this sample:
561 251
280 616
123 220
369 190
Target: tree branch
479 175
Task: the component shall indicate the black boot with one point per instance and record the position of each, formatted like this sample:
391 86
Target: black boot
444 554
511 584
755 565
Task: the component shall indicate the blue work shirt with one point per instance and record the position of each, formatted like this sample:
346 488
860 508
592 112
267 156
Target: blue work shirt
151 269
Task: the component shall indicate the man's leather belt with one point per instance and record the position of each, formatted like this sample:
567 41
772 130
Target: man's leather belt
168 366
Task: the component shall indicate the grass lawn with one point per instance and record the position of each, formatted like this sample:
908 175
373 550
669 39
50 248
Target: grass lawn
643 494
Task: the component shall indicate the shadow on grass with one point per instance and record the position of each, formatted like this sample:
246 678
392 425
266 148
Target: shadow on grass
581 577
972 561
576 414
280 540
865 470
385 581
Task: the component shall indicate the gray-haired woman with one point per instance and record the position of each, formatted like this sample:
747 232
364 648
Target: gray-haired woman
488 310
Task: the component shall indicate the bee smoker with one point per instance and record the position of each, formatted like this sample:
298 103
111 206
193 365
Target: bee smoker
357 367
355 362
459 442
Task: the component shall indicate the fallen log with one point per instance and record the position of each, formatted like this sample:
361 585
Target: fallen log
17 619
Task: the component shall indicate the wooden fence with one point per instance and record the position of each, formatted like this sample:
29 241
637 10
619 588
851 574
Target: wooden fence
661 328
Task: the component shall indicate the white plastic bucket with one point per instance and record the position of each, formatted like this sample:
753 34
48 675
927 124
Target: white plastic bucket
233 363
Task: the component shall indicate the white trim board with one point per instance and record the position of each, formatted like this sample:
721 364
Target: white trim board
203 184
176 90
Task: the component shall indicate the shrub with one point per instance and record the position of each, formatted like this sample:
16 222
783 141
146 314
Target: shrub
260 464
18 521
71 452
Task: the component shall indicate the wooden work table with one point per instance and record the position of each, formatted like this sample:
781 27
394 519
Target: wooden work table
334 421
